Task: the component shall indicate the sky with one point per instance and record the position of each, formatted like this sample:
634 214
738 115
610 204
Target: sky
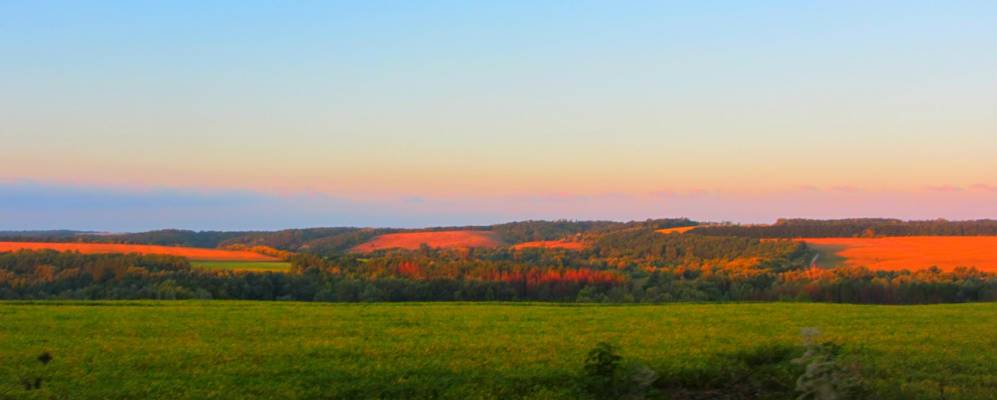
124 116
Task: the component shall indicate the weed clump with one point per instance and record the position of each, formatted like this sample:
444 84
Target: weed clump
34 380
824 376
607 377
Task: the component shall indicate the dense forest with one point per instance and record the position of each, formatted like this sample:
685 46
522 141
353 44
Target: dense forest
621 262
665 268
862 227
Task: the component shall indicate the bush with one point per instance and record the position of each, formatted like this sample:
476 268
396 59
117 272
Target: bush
601 370
606 377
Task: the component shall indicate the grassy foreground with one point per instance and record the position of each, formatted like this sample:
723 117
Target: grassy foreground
250 266
221 349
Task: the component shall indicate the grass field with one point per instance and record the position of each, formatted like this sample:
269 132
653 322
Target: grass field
252 266
551 244
235 350
912 252
193 253
439 239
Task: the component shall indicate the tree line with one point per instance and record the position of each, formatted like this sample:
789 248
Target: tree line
861 227
335 240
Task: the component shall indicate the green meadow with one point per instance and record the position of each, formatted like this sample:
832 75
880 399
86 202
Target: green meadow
283 350
253 266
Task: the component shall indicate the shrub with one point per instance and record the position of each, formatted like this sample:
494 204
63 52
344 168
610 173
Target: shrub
607 377
601 370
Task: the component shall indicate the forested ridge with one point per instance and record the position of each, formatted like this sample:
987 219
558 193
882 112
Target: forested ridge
620 262
634 267
336 240
860 227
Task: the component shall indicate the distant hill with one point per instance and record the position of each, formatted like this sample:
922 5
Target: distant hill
192 253
342 240
856 227
458 239
59 233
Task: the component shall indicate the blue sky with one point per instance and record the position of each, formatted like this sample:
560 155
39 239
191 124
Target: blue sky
470 106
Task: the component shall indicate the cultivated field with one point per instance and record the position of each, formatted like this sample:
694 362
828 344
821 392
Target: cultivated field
192 253
236 350
913 253
244 266
681 229
551 244
440 239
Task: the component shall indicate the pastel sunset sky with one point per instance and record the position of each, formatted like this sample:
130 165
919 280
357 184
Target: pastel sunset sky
263 115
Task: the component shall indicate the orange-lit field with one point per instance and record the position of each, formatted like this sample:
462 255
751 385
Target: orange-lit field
440 239
193 253
681 229
550 244
913 253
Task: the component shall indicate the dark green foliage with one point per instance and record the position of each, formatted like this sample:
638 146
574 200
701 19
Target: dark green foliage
34 379
605 376
339 243
528 231
164 237
647 245
487 275
602 371
41 236
753 372
766 371
324 241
